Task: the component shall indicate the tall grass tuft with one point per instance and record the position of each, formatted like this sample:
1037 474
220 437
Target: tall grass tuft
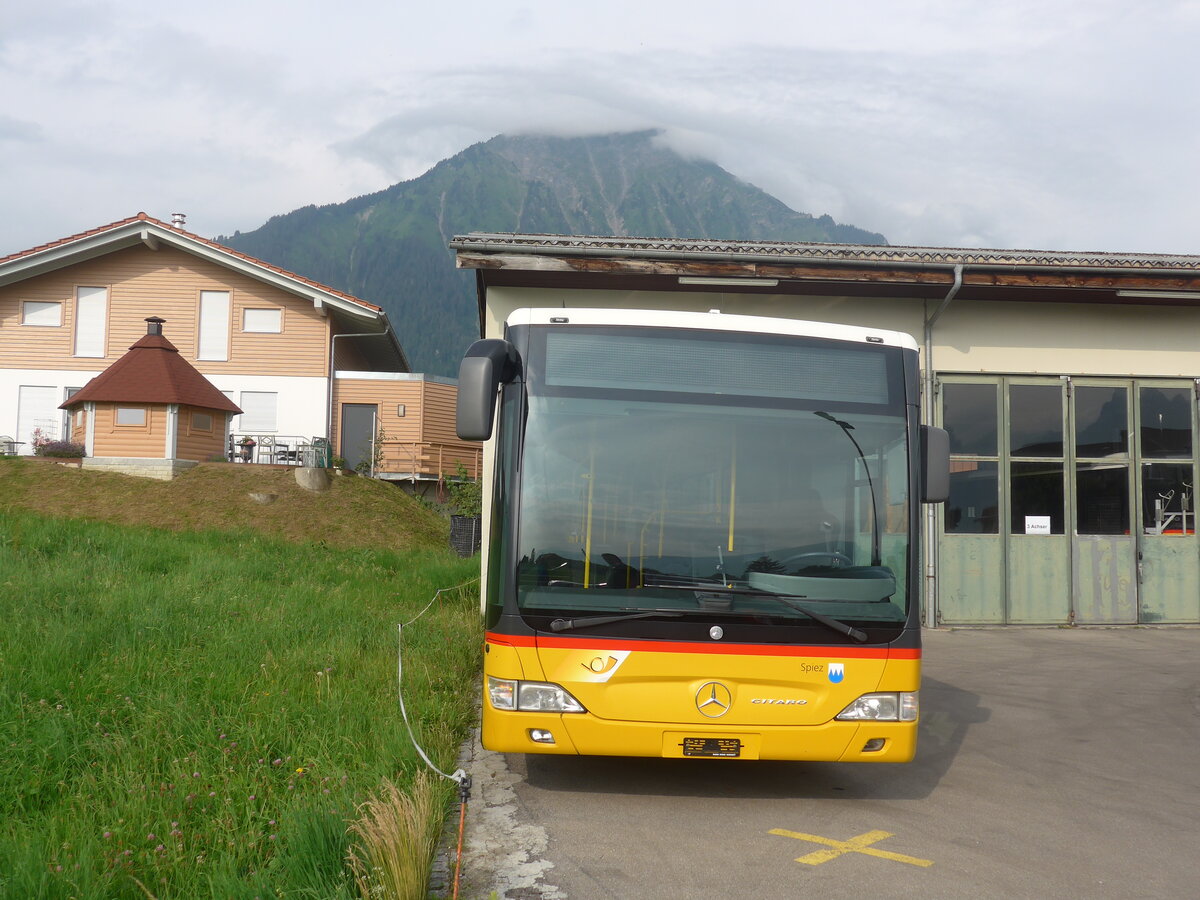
397 835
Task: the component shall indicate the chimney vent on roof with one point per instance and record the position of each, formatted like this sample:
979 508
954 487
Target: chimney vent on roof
178 219
154 325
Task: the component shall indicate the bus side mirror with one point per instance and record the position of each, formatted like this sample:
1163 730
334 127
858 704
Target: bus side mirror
487 365
935 464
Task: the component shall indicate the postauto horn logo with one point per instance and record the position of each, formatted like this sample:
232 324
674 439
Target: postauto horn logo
837 672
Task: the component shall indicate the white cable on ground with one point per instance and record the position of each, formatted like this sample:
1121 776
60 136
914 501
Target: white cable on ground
460 776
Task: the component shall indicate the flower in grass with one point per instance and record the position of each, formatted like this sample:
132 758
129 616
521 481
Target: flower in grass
150 836
277 762
107 835
300 771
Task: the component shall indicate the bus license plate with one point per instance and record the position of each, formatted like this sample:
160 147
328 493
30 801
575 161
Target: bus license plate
723 747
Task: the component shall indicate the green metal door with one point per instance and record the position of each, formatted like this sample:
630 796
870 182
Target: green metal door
1039 551
1071 500
1104 571
1168 553
971 584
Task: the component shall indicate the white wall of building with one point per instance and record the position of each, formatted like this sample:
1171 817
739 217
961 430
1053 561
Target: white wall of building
19 422
301 403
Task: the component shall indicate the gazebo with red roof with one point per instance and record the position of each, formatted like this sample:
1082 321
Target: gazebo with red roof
151 404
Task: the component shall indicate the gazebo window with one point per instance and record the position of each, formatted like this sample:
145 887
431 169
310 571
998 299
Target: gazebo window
202 422
131 415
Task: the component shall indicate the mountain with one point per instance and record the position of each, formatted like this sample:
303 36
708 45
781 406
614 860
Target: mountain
390 248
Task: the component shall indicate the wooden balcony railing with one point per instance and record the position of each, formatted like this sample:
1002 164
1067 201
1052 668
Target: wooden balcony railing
429 459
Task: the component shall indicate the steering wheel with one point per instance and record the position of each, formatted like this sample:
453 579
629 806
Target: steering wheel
842 558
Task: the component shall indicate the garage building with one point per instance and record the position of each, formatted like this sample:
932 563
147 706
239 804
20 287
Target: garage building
1068 383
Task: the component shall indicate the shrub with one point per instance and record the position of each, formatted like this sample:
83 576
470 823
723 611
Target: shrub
60 449
466 495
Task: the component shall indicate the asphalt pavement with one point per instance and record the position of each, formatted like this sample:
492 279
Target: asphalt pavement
1053 762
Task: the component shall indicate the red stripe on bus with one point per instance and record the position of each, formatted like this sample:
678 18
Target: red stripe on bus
565 643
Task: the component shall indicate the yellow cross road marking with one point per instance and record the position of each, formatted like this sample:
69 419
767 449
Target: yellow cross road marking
859 844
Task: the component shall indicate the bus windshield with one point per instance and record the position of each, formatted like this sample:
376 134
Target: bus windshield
714 473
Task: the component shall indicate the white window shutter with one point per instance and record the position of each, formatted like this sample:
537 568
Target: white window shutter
265 321
91 320
259 412
214 325
34 312
37 407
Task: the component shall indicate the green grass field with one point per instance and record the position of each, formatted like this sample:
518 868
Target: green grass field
202 713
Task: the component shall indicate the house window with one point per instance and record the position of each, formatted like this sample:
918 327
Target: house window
214 326
46 315
202 422
91 320
259 410
71 392
131 415
263 321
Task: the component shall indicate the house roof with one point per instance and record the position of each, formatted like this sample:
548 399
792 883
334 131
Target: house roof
152 371
560 261
147 231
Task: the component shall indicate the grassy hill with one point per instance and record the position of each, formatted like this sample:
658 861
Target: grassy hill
355 512
200 692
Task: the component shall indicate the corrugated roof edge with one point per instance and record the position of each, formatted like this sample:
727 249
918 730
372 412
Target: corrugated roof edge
584 245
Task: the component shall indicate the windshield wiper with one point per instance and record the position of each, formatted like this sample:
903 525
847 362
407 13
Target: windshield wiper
786 599
569 624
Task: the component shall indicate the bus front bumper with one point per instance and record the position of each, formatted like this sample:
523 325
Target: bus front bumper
584 734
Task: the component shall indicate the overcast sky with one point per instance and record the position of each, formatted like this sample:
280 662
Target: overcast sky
1045 125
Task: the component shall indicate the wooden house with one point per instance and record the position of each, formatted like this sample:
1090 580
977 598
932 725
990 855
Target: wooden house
275 343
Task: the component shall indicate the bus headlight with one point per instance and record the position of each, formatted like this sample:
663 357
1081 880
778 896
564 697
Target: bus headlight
531 696
901 707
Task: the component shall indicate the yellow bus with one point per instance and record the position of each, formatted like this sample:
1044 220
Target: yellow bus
703 536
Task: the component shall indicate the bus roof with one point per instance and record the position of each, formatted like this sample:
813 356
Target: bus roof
713 320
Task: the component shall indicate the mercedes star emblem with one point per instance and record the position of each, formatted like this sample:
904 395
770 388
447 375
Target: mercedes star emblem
713 699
